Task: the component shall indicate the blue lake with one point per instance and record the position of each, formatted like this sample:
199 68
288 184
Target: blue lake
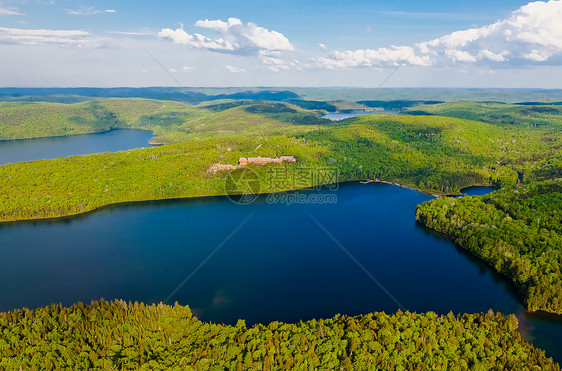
54 147
338 116
476 191
262 262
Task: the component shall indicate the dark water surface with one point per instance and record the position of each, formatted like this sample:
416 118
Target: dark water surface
12 151
477 191
338 116
263 262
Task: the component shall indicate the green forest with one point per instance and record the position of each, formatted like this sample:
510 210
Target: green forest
524 114
434 154
131 336
518 231
434 148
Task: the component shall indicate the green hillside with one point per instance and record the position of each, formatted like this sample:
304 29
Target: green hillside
434 154
36 120
496 113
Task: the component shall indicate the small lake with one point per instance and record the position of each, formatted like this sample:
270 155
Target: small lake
477 191
12 151
338 116
262 262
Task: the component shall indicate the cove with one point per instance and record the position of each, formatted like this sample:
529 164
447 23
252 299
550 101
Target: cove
261 262
20 150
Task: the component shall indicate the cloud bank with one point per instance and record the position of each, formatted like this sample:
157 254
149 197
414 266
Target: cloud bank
531 34
234 37
74 38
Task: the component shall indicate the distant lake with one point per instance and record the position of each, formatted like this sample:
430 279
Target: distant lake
261 262
338 116
12 151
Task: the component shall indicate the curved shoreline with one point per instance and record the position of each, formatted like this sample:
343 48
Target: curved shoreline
121 203
134 202
204 201
412 188
78 134
506 278
55 219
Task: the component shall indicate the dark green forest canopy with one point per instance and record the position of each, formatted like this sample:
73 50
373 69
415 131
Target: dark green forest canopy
517 231
131 336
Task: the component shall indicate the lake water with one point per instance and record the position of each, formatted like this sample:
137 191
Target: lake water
54 147
338 116
476 191
262 262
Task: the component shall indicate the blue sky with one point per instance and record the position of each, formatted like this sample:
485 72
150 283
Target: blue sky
291 43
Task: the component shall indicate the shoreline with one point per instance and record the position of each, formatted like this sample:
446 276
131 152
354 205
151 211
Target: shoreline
408 187
122 203
521 294
55 219
78 134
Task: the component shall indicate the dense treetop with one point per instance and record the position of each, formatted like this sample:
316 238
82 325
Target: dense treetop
518 231
159 337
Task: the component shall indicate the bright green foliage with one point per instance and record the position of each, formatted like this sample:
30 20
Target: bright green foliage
254 120
171 122
127 336
517 231
32 120
67 186
35 120
434 154
497 113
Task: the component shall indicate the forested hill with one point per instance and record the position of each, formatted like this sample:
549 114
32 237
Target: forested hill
128 336
67 95
517 231
529 114
436 154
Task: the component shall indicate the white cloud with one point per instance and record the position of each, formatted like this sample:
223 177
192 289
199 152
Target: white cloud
187 68
459 55
274 61
233 37
322 46
173 70
536 55
392 56
179 36
89 11
486 54
531 34
76 38
235 69
218 24
9 12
